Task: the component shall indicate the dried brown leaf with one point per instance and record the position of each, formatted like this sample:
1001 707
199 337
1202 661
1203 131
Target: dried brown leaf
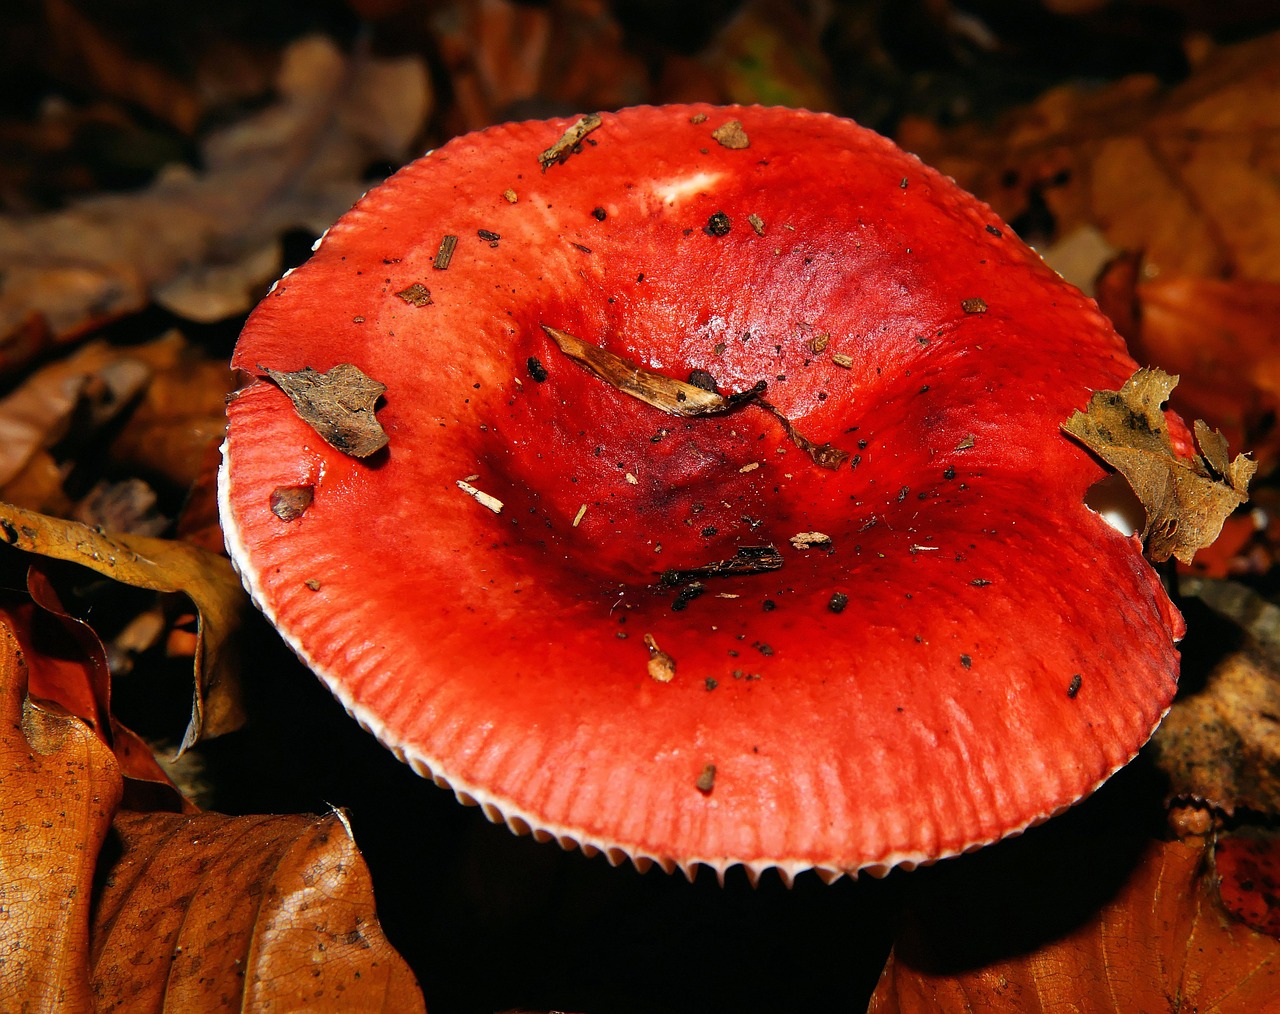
205 244
1220 743
185 911
1248 871
61 787
179 416
1161 943
165 566
339 405
1184 176
675 397
270 912
39 412
1186 499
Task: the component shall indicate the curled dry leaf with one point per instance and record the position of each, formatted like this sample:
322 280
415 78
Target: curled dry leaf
1162 936
165 566
274 911
61 787
679 397
185 911
1186 499
204 245
339 405
67 668
1220 743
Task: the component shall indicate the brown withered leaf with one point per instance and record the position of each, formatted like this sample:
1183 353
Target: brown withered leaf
181 413
164 566
1186 499
678 397
205 244
1220 743
61 787
182 911
273 911
339 405
1162 942
1247 865
1185 176
88 387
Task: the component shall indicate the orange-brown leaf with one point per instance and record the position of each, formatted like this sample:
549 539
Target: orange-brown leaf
1161 944
60 789
1220 336
264 913
1184 176
184 911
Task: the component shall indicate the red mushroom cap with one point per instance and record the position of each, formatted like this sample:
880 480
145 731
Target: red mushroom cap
689 638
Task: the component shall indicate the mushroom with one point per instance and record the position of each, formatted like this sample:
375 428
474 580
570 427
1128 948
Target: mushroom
625 363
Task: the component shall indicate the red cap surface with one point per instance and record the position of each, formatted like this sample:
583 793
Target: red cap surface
552 596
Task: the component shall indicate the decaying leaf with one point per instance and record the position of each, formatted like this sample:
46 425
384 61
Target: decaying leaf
95 381
675 397
679 397
195 911
1161 943
1184 175
207 244
274 911
165 566
1186 499
61 787
339 405
67 669
180 414
1220 743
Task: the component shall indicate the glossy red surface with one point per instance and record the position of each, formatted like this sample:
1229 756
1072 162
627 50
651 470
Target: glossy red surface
505 653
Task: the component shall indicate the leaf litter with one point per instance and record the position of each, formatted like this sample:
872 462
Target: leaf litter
160 565
185 911
205 245
1220 743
